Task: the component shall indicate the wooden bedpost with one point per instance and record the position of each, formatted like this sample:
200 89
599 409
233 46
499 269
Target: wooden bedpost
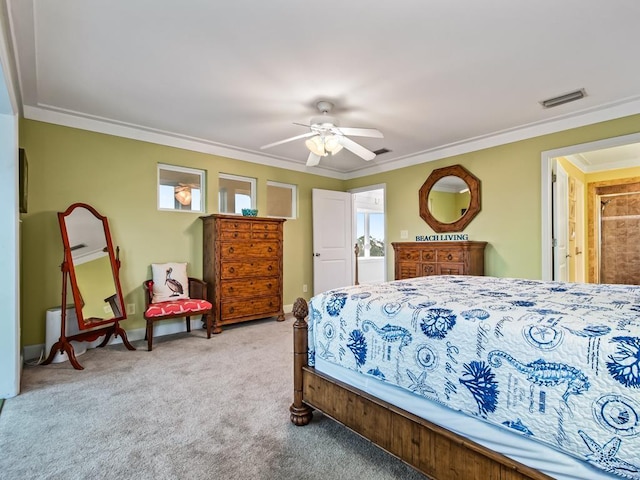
300 413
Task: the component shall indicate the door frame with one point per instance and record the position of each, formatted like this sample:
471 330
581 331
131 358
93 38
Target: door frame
368 188
547 159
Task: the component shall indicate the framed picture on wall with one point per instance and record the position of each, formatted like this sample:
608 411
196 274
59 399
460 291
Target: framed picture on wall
23 176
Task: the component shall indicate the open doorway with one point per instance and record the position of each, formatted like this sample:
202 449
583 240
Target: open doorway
369 229
605 163
342 220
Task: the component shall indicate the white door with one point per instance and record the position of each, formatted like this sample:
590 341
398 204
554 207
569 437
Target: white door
560 223
332 249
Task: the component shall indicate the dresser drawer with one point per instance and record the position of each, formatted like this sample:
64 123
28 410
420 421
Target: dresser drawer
250 249
257 268
406 270
428 255
450 255
234 235
231 289
266 235
265 306
451 269
265 226
428 269
408 255
234 225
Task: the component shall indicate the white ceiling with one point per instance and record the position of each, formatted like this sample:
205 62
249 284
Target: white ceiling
437 77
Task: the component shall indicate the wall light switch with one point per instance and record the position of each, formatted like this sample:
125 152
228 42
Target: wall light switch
404 234
131 308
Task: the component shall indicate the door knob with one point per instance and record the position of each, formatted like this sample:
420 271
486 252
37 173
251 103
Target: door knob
316 254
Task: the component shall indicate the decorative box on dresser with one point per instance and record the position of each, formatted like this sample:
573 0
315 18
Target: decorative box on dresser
419 259
242 263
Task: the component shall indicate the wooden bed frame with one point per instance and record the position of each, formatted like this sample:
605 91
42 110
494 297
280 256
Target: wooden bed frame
430 449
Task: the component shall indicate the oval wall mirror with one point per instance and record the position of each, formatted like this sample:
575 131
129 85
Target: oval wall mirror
449 199
92 266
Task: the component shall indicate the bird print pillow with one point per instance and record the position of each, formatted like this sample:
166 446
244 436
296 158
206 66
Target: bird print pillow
170 282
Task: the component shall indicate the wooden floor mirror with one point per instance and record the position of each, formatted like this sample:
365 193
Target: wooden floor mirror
91 268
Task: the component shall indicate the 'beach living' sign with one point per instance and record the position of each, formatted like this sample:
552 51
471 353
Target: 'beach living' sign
443 237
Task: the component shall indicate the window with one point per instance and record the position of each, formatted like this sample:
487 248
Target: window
369 207
180 189
370 234
282 200
236 193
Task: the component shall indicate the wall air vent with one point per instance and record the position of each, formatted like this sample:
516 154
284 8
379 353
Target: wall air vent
381 151
562 99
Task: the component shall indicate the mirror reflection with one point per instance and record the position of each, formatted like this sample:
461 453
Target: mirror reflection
91 265
449 199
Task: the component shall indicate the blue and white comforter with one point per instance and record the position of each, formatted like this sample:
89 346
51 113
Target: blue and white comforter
558 362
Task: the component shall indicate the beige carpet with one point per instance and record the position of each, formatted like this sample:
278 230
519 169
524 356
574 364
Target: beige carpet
191 409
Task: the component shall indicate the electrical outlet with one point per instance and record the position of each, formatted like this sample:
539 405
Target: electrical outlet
404 234
131 308
305 288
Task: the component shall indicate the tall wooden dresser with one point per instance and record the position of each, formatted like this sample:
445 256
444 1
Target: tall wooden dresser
242 263
419 259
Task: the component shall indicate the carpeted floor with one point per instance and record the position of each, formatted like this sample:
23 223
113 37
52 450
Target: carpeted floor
191 409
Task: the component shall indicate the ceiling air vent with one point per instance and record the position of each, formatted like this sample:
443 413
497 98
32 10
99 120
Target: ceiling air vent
381 151
562 99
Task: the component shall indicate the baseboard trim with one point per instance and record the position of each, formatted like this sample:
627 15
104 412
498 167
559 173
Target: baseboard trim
36 352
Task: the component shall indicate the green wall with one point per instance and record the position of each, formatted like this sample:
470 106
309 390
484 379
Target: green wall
117 176
510 216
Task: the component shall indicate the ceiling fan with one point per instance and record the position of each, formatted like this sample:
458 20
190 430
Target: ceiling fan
326 137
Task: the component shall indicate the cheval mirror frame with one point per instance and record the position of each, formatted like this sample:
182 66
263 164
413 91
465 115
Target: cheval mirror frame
87 241
474 199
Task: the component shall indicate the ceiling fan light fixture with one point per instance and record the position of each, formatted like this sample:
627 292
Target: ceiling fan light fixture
316 146
332 144
183 195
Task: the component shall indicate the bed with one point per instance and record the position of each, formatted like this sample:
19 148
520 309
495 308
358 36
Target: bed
468 377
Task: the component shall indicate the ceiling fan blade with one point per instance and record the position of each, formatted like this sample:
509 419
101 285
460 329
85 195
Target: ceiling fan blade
356 148
313 159
361 132
286 140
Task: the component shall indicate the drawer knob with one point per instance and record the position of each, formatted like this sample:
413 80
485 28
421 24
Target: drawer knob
449 257
231 310
231 250
232 270
270 249
230 289
235 235
268 285
270 267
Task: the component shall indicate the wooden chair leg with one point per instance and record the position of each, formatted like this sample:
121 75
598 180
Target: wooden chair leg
207 318
149 335
188 324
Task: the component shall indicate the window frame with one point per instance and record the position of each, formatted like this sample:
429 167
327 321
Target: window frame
239 178
188 171
294 198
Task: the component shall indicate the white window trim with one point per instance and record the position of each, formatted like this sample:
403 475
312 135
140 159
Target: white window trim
250 180
192 171
294 197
